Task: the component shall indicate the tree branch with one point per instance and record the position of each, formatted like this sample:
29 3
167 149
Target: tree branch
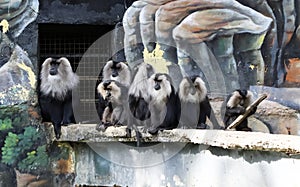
238 120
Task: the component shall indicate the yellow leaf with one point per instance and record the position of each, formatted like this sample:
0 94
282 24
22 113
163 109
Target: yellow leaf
4 23
252 67
156 60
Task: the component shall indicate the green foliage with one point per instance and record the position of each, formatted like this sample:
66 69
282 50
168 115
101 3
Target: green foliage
18 114
22 150
9 151
35 159
21 146
5 124
28 138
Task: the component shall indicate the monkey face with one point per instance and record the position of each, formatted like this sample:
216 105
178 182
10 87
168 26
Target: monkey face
117 71
57 77
244 97
160 86
114 69
235 100
157 84
110 91
53 68
240 98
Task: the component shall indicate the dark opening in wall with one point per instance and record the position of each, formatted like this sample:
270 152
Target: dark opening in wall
72 42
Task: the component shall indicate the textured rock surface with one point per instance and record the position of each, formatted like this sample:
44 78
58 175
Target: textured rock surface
17 79
277 118
132 37
286 96
282 120
19 14
219 138
81 12
184 25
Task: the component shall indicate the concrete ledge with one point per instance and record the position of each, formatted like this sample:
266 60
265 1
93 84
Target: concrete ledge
219 138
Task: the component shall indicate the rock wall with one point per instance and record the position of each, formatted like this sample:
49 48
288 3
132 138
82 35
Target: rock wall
246 39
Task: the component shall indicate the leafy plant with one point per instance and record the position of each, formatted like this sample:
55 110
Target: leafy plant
17 114
9 154
5 124
23 150
35 159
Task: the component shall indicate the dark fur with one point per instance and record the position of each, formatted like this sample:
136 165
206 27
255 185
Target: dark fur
55 97
195 105
115 96
138 100
138 96
112 70
235 105
164 105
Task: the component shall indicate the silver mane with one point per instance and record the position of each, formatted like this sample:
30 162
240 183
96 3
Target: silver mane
184 90
57 86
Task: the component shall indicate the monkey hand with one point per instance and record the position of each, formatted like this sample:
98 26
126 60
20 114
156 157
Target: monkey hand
241 110
235 111
253 110
107 101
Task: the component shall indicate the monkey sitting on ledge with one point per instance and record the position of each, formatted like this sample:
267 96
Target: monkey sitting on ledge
235 105
115 96
55 99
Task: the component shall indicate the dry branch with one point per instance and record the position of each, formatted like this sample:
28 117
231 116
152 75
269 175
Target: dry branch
250 108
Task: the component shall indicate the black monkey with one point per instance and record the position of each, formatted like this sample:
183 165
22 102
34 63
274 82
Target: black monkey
138 99
235 105
112 70
57 82
164 103
138 91
115 112
195 106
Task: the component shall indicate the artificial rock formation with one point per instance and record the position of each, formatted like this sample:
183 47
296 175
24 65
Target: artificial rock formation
19 14
229 32
18 79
